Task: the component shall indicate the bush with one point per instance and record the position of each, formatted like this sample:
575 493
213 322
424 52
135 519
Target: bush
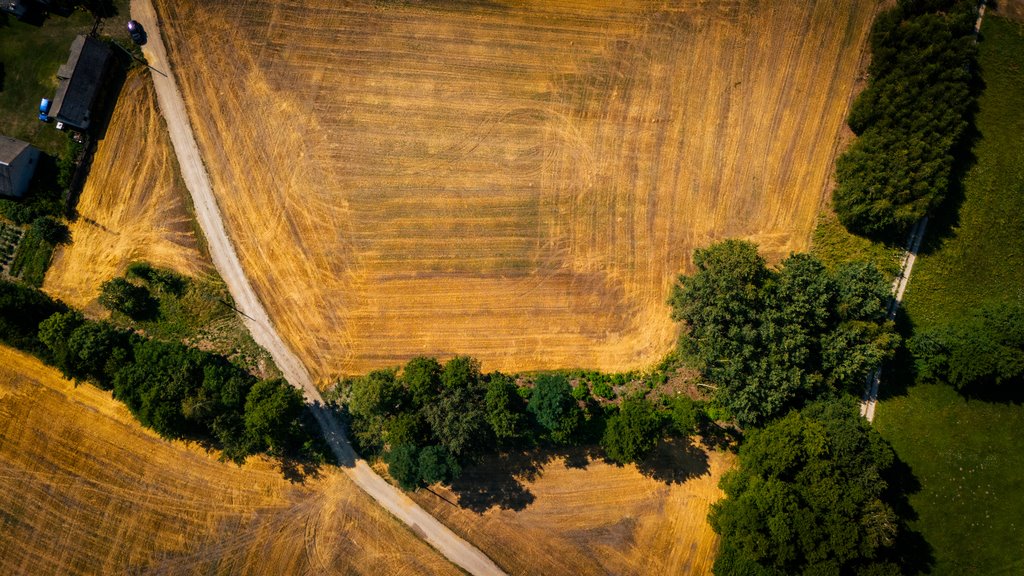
22 309
632 432
604 390
118 294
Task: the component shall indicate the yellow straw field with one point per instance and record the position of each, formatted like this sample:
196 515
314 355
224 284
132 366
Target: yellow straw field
520 181
85 490
133 206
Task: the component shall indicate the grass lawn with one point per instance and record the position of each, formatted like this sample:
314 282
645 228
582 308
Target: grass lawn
983 260
967 454
29 58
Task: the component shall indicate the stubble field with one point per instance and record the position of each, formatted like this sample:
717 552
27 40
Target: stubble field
519 181
573 515
85 490
133 206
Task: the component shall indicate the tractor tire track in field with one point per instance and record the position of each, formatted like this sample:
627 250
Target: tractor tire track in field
226 260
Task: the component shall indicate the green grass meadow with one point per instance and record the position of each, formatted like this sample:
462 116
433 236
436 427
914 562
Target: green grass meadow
30 55
967 454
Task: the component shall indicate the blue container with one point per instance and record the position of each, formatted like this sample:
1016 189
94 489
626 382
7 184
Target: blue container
44 109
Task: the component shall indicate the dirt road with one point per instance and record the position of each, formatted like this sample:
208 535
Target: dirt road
226 260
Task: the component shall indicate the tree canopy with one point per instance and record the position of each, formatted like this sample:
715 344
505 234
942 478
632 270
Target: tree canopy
913 114
554 407
981 354
810 496
632 432
774 339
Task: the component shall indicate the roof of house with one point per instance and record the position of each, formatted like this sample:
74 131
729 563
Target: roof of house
10 148
80 81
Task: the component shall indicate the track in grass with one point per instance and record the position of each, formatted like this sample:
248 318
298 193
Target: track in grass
518 181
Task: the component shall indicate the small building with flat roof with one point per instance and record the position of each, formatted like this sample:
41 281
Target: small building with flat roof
80 83
18 162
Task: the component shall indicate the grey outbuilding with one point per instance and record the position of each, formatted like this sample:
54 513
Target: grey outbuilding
18 162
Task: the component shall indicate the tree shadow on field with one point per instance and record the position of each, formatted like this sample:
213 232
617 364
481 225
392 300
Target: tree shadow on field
945 219
911 551
298 470
899 373
498 481
674 461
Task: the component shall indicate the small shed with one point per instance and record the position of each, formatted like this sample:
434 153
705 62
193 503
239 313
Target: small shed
80 83
18 162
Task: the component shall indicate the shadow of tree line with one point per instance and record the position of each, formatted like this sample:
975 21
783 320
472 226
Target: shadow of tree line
502 480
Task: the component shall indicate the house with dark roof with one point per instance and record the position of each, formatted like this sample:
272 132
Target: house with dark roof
18 162
80 83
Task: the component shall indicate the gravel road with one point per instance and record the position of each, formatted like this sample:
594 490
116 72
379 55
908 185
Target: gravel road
226 260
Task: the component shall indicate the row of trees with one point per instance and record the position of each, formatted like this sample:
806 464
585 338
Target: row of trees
913 114
178 391
431 419
773 340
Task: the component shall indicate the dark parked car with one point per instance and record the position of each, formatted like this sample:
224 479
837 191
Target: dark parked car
137 33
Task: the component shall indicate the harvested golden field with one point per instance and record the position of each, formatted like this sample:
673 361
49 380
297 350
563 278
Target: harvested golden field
516 180
133 206
575 516
85 490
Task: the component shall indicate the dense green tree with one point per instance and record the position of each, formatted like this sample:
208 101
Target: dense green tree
683 415
981 354
436 464
505 408
720 303
554 407
378 393
910 118
52 230
809 497
406 428
458 419
773 340
98 350
22 309
375 398
422 377
403 465
461 372
118 294
272 411
156 384
632 432
55 332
